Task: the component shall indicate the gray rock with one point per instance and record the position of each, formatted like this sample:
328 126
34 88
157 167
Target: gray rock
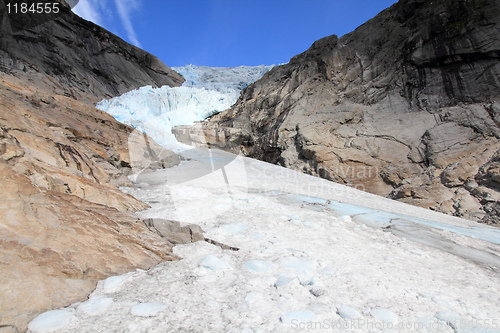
174 232
81 56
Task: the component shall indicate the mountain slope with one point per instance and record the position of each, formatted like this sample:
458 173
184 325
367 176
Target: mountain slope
405 106
80 57
64 223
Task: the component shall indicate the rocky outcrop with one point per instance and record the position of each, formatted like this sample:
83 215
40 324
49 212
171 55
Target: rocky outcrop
174 232
405 106
64 224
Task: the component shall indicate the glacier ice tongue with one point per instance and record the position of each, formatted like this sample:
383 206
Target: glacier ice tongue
155 111
206 91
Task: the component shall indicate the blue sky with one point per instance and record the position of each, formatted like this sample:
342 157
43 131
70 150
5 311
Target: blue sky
226 33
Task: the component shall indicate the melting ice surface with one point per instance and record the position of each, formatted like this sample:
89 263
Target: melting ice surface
206 91
307 262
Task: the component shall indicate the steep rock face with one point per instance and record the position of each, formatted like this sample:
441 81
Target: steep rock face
81 58
64 224
405 106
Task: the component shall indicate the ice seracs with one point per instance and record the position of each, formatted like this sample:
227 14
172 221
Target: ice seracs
155 111
206 91
221 79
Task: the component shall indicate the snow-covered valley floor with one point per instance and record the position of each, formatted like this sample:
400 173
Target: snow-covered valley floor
313 256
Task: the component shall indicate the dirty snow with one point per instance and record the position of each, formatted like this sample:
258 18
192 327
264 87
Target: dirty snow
314 256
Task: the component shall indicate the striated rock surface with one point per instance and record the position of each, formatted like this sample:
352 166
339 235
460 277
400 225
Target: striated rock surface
406 106
64 224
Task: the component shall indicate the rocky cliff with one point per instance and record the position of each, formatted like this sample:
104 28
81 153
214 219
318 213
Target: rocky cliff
80 57
406 106
63 222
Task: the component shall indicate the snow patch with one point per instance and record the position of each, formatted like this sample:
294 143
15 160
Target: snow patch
295 219
147 309
320 308
114 283
345 218
347 312
384 315
258 266
253 297
232 228
221 78
206 91
303 270
449 317
95 305
51 321
296 317
214 263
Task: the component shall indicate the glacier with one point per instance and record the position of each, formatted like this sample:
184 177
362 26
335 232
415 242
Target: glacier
206 91
313 255
221 79
333 273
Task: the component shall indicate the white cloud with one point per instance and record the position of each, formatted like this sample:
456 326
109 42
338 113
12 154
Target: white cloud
98 12
124 10
89 10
